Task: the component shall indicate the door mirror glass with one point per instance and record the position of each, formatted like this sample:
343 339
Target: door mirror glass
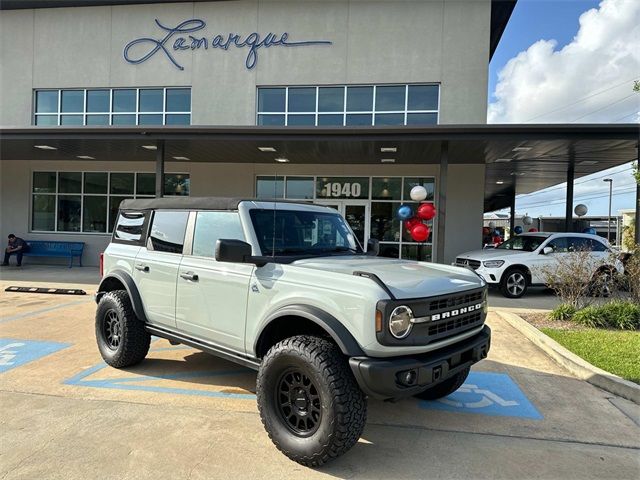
547 250
373 247
233 251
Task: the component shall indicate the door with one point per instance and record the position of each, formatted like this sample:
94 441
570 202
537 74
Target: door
211 296
156 266
356 213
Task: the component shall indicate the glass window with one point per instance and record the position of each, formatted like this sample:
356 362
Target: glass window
406 235
422 97
427 183
331 99
150 120
359 119
44 213
97 119
178 100
359 99
302 99
71 120
579 244
123 120
44 182
95 182
47 101
271 99
211 226
385 225
151 100
114 206
70 182
389 118
69 208
122 183
597 246
97 101
130 226
331 119
72 101
421 253
94 213
46 120
270 187
167 231
559 245
386 188
267 120
390 98
422 118
176 184
300 187
146 184
293 120
527 243
174 119
124 100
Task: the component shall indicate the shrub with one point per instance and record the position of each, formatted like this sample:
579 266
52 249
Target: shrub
564 311
588 317
570 277
616 314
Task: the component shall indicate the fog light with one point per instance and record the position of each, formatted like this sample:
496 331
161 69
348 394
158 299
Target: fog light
409 377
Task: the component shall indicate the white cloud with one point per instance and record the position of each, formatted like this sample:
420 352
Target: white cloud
586 81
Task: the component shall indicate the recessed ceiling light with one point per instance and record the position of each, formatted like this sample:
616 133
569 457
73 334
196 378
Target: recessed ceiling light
499 182
181 158
517 174
521 149
388 160
150 147
45 147
388 149
266 149
502 160
86 157
282 160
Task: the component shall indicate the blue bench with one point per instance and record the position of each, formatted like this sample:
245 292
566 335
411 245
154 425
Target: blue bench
68 250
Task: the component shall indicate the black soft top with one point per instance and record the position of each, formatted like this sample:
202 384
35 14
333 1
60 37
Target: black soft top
192 203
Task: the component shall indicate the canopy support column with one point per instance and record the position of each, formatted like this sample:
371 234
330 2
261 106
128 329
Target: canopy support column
568 217
160 169
442 199
512 213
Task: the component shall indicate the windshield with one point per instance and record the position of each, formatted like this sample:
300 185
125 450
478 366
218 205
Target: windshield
301 232
527 243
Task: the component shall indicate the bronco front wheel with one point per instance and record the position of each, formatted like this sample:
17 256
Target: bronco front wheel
309 401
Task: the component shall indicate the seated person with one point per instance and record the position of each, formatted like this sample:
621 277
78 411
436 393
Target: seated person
16 246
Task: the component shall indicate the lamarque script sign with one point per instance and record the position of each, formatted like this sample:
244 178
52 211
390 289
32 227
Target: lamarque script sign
176 39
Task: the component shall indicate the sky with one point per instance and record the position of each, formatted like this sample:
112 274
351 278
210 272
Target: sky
570 61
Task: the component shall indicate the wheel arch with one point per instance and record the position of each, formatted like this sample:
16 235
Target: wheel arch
121 280
517 266
300 320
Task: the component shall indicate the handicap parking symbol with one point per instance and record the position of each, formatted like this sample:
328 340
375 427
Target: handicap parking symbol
487 393
14 352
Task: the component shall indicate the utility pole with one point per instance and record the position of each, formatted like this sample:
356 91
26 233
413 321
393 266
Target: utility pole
610 182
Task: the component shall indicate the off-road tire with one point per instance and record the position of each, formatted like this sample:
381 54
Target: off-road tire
510 276
343 406
445 388
133 340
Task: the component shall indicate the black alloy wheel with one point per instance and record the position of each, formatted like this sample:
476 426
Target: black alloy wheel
112 329
299 402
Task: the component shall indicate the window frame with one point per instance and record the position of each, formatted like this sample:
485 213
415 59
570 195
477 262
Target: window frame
85 114
344 112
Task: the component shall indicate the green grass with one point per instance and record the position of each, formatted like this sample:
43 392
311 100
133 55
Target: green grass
617 352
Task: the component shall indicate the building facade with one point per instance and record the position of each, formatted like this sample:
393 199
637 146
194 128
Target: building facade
340 63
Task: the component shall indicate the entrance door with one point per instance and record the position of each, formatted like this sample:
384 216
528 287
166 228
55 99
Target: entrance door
357 215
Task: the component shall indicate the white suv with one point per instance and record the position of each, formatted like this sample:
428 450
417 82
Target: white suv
517 263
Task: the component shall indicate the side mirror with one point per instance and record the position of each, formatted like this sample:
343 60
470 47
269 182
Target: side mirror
547 250
373 247
236 251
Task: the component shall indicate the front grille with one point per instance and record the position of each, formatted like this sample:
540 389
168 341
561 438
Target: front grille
465 262
454 301
461 323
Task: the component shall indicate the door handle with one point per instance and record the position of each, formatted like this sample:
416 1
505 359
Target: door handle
189 276
142 267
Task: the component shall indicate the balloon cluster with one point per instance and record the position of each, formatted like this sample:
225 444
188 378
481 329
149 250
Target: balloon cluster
518 230
414 222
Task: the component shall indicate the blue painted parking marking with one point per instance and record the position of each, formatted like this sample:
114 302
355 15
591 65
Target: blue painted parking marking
487 393
15 352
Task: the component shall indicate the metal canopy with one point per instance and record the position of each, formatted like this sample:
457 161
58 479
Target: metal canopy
518 158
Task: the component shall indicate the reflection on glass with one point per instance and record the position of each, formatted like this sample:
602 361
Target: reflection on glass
69 208
146 184
302 99
44 212
94 214
293 120
71 120
122 183
95 182
98 101
271 99
211 226
385 188
70 182
46 120
114 205
390 98
151 100
175 119
384 224
359 99
427 183
123 120
330 99
359 119
270 187
300 187
97 119
44 182
176 184
422 97
417 252
267 120
72 101
124 100
390 119
335 120
178 100
47 101
150 120
422 118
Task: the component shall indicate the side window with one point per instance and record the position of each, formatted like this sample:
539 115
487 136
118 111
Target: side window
167 231
559 245
210 226
597 246
579 244
129 227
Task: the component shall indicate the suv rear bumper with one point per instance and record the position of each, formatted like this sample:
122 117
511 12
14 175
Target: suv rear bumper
382 378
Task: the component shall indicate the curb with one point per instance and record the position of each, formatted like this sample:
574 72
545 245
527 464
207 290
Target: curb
573 363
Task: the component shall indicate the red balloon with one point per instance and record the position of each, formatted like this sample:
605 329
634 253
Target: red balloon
420 232
411 222
533 229
426 211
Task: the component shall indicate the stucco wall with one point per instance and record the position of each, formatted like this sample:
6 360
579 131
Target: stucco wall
394 41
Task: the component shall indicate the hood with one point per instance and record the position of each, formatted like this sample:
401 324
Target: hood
405 278
490 254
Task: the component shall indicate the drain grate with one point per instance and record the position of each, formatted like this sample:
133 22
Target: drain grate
55 291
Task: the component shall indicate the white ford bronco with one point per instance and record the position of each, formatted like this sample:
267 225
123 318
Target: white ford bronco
285 289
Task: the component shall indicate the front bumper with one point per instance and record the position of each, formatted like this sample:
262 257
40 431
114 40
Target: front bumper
381 378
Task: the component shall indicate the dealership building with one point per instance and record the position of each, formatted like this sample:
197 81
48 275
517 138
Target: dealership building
348 103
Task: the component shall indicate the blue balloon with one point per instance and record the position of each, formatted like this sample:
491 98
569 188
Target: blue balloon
496 232
589 230
518 230
405 212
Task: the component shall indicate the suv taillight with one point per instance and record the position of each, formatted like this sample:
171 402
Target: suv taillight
101 264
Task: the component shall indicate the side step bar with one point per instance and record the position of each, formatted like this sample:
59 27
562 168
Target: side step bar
173 337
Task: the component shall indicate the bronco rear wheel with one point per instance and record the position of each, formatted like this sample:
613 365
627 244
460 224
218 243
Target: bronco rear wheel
309 401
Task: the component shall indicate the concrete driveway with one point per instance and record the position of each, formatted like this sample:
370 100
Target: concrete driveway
184 414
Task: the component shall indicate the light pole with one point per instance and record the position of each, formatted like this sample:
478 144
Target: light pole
610 182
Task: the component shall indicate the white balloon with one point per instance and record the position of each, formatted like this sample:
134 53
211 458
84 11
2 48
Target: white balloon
581 209
492 224
418 193
527 220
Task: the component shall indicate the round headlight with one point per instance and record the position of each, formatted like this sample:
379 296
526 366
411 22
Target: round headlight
400 321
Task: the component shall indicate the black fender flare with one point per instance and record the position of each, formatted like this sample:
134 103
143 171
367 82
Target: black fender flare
131 288
327 322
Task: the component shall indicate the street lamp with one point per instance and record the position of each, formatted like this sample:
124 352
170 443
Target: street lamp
610 181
